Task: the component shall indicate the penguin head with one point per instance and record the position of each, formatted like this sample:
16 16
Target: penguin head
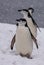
21 22
23 11
30 10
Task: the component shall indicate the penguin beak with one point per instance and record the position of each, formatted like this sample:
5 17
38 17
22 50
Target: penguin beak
19 10
17 19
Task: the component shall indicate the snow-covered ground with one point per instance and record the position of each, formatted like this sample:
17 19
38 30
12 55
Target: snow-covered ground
8 57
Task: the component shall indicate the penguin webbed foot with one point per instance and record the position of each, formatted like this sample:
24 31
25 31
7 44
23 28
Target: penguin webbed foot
27 55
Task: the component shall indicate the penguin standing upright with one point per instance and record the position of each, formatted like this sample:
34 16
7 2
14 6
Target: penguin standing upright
23 43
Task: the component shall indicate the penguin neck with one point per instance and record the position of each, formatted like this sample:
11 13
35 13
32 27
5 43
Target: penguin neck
23 24
25 16
28 19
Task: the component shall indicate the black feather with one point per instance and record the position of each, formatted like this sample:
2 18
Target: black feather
29 15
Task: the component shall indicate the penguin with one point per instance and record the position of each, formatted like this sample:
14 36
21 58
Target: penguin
23 37
27 14
23 43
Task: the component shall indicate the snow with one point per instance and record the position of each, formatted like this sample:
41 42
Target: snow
8 57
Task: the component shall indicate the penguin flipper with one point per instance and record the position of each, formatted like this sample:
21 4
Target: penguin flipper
35 40
12 42
35 24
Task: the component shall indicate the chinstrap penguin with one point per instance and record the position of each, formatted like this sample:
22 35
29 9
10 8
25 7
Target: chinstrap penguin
24 44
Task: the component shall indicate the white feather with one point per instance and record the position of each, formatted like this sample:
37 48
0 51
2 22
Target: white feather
24 42
32 27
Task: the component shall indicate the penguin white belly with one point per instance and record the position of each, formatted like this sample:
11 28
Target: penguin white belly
24 42
32 27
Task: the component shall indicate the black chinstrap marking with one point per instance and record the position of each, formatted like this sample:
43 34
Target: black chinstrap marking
21 19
